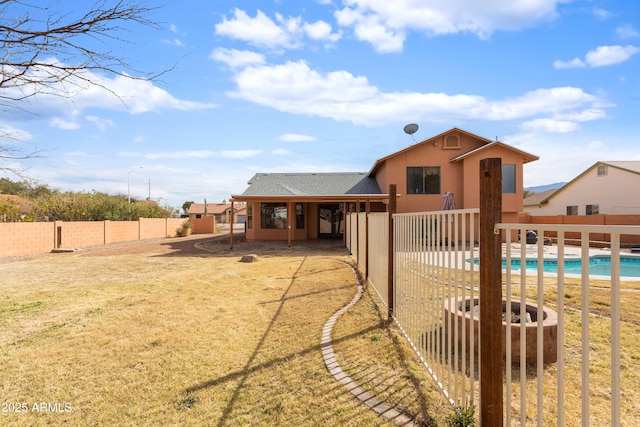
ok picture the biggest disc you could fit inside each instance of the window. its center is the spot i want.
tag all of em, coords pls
(572, 210)
(273, 215)
(423, 180)
(593, 209)
(602, 170)
(299, 216)
(508, 179)
(452, 141)
(249, 215)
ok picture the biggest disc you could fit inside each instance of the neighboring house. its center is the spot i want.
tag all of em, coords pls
(221, 211)
(535, 200)
(605, 188)
(312, 205)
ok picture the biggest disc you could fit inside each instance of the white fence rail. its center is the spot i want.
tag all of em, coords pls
(379, 254)
(431, 250)
(594, 372)
(582, 370)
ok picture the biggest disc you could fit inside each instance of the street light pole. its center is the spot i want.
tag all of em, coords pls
(129, 182)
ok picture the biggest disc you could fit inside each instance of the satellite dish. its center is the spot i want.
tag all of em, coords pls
(411, 128)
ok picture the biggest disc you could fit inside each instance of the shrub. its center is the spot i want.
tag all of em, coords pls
(462, 417)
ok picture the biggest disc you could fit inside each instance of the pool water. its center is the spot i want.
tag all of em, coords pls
(599, 265)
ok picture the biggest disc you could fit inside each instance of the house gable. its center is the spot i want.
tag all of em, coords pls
(457, 154)
(602, 188)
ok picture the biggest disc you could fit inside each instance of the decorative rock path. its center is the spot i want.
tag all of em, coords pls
(334, 368)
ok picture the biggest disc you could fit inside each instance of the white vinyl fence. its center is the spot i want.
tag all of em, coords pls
(573, 362)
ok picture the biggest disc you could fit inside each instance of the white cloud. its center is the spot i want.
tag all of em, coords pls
(385, 24)
(278, 33)
(90, 90)
(294, 137)
(602, 13)
(280, 152)
(173, 42)
(550, 126)
(59, 123)
(10, 133)
(100, 123)
(574, 63)
(600, 57)
(609, 55)
(296, 88)
(259, 31)
(237, 58)
(320, 30)
(132, 95)
(627, 32)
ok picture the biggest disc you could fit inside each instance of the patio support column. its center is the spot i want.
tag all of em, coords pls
(367, 210)
(345, 207)
(490, 298)
(391, 209)
(357, 212)
(290, 214)
(230, 227)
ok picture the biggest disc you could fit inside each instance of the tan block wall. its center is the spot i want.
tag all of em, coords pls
(80, 234)
(121, 231)
(204, 225)
(32, 238)
(26, 238)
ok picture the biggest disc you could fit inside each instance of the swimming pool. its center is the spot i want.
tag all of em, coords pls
(599, 265)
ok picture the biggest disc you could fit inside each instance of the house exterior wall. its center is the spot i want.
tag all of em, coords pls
(512, 204)
(428, 153)
(460, 177)
(615, 194)
(310, 230)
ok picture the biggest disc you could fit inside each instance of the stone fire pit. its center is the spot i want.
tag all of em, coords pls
(461, 309)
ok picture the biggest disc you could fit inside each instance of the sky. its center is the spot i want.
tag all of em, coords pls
(328, 86)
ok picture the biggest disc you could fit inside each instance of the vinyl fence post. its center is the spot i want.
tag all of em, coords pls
(491, 399)
(391, 208)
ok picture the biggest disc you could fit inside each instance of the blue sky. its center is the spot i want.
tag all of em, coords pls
(328, 85)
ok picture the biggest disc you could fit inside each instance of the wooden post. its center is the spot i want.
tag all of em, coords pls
(230, 227)
(367, 210)
(290, 215)
(345, 211)
(491, 399)
(357, 211)
(391, 209)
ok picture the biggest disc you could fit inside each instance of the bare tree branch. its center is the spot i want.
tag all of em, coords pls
(44, 50)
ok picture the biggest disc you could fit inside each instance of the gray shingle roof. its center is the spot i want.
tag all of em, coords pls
(311, 184)
(630, 165)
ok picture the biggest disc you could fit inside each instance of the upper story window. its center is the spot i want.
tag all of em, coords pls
(452, 141)
(602, 170)
(508, 179)
(593, 209)
(572, 210)
(423, 180)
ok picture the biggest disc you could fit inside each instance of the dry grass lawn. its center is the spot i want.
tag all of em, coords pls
(165, 333)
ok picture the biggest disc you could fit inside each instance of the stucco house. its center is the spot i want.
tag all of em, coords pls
(312, 205)
(221, 211)
(605, 188)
